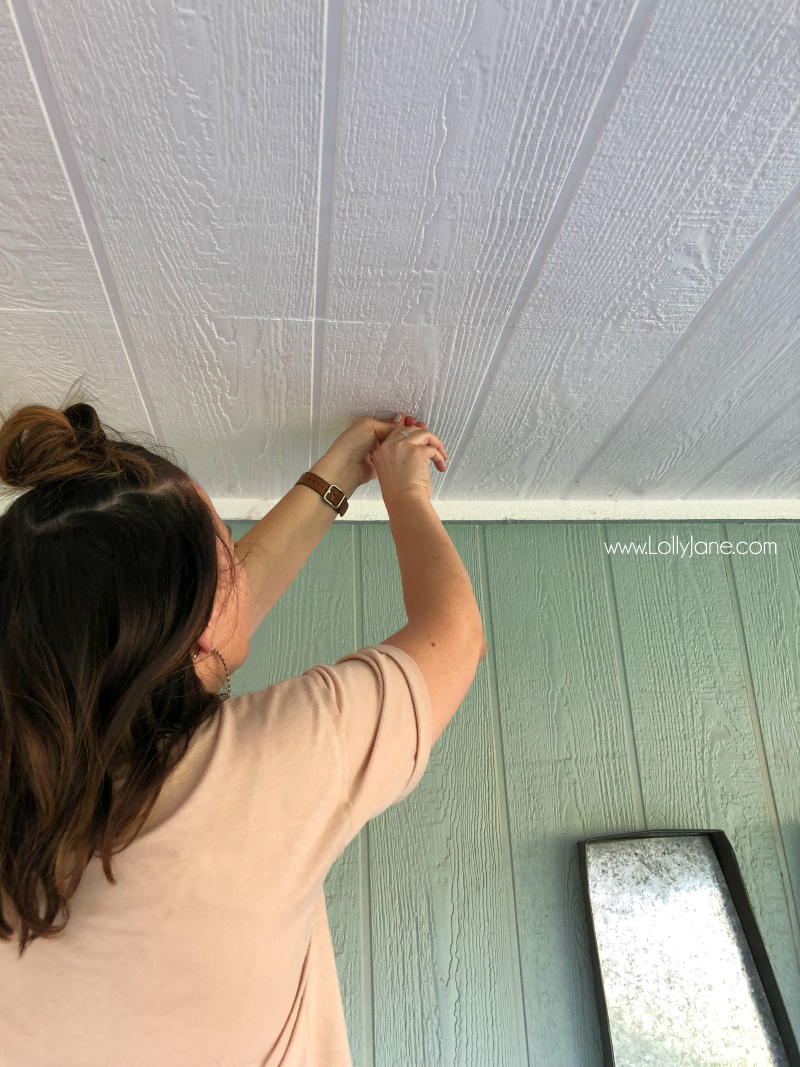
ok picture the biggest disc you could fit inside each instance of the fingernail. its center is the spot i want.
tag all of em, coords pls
(398, 416)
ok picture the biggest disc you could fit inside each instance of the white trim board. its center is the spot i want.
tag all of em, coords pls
(548, 510)
(248, 509)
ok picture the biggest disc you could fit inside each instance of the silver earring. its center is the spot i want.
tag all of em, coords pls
(225, 668)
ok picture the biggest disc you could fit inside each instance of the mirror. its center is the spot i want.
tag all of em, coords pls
(681, 971)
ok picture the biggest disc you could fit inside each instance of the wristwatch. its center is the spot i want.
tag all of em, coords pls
(330, 493)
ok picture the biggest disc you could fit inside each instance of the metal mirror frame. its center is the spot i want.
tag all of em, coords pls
(732, 874)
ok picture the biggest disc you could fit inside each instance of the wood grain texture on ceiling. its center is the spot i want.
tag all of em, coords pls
(564, 234)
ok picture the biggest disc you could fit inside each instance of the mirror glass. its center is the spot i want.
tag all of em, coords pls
(680, 984)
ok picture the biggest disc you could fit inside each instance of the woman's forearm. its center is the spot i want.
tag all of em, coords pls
(274, 550)
(436, 586)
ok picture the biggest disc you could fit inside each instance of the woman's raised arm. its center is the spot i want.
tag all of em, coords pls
(274, 550)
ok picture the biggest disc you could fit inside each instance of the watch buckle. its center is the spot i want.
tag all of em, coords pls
(334, 503)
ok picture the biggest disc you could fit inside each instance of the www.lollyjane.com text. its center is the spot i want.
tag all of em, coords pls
(675, 547)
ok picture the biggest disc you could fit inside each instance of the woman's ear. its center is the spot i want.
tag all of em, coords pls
(205, 642)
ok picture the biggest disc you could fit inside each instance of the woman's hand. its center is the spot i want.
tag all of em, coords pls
(402, 460)
(350, 456)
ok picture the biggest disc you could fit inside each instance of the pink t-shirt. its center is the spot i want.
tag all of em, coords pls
(213, 948)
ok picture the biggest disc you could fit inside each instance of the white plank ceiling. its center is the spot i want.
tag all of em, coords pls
(566, 233)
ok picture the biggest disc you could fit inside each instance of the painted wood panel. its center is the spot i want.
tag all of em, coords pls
(507, 216)
(442, 942)
(46, 354)
(569, 774)
(197, 131)
(768, 462)
(238, 409)
(733, 373)
(475, 165)
(55, 324)
(458, 124)
(767, 591)
(697, 752)
(45, 262)
(701, 147)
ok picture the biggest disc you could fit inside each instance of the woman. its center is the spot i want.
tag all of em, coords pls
(163, 849)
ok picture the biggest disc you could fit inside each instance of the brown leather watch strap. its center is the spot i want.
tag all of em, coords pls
(331, 494)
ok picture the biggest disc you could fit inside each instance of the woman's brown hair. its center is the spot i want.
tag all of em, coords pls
(108, 573)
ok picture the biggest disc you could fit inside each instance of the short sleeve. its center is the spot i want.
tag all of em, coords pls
(382, 712)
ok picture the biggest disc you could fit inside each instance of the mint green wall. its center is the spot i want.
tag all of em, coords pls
(617, 694)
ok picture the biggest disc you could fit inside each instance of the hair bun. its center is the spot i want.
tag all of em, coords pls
(84, 421)
(40, 444)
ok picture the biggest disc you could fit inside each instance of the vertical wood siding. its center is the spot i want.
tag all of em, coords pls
(617, 693)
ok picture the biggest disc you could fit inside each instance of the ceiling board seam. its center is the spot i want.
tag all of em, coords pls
(156, 316)
(765, 425)
(331, 68)
(638, 25)
(56, 126)
(775, 221)
(36, 311)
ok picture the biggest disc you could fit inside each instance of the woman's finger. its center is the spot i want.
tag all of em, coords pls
(407, 428)
(405, 422)
(435, 456)
(431, 444)
(383, 427)
(430, 438)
